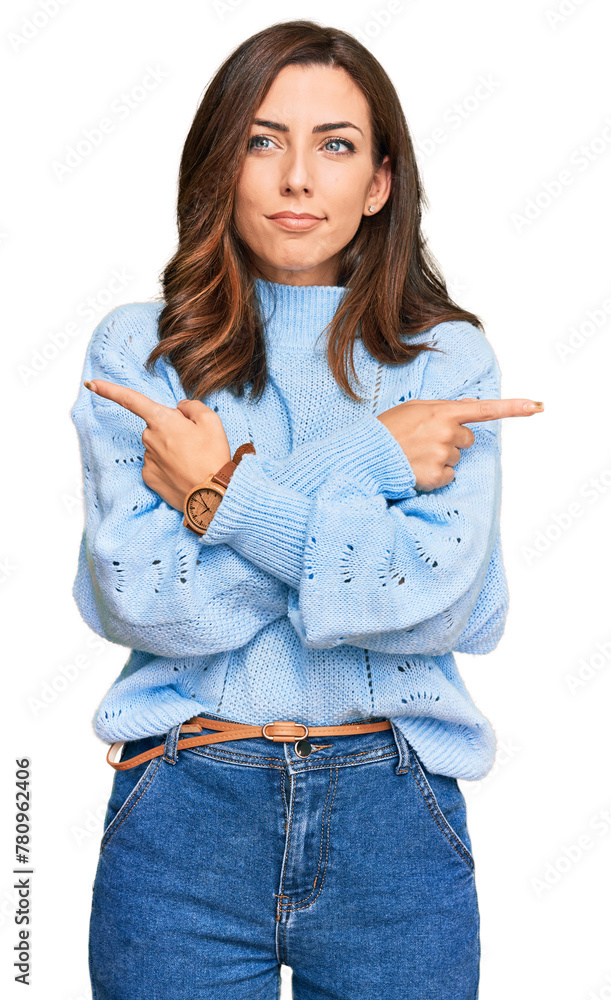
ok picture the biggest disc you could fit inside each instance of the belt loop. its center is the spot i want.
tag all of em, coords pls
(403, 748)
(170, 752)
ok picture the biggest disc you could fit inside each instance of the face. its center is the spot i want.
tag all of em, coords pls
(293, 165)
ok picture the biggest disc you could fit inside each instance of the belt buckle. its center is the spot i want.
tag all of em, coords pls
(302, 746)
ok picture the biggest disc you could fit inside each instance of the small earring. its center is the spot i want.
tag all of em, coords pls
(372, 208)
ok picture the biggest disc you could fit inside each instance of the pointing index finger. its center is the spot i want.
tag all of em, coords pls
(130, 399)
(473, 410)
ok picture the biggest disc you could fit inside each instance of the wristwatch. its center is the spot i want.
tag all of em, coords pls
(203, 500)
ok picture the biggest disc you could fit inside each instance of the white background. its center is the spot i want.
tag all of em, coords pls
(527, 253)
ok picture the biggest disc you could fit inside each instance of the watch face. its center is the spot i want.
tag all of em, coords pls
(202, 505)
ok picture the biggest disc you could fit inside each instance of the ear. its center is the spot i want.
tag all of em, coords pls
(379, 189)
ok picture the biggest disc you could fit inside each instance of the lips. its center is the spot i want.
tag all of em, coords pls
(294, 215)
(294, 222)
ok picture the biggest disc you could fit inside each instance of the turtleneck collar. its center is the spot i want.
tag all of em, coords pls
(297, 314)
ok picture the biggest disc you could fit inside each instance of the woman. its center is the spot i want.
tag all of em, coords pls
(298, 623)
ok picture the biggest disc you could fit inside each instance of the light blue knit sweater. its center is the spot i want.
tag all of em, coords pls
(327, 589)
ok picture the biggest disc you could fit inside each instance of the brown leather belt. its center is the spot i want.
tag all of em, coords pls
(239, 731)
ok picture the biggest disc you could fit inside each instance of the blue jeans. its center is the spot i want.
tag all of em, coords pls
(219, 863)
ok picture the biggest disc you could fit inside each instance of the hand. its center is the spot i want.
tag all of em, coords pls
(182, 446)
(430, 432)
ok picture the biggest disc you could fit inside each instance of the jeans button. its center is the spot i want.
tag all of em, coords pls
(303, 748)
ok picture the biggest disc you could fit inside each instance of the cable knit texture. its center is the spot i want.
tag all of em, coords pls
(328, 589)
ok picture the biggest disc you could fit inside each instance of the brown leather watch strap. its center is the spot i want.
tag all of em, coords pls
(226, 471)
(244, 449)
(224, 474)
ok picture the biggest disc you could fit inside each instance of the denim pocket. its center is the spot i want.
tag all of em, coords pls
(129, 789)
(446, 805)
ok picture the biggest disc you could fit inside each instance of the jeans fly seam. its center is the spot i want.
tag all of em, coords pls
(283, 797)
(292, 906)
(322, 835)
(290, 829)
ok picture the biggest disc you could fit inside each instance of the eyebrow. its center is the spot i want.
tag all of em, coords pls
(325, 127)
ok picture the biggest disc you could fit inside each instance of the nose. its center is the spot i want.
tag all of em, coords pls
(297, 172)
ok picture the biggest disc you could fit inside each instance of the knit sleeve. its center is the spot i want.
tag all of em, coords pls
(363, 449)
(143, 579)
(407, 577)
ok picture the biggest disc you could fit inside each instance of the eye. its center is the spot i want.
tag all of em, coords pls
(253, 139)
(346, 142)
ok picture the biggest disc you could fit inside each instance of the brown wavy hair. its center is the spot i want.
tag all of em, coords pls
(210, 328)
